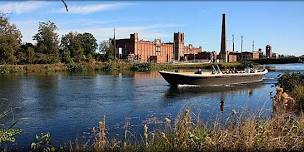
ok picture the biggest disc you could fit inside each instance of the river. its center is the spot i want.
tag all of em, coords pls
(68, 106)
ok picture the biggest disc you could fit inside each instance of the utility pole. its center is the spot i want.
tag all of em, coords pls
(232, 42)
(114, 45)
(194, 56)
(242, 43)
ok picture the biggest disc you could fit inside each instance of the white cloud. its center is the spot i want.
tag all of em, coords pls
(148, 32)
(20, 7)
(92, 8)
(28, 28)
(101, 30)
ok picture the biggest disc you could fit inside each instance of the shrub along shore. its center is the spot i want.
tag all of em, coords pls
(106, 66)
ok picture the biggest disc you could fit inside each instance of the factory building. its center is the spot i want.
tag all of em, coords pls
(155, 51)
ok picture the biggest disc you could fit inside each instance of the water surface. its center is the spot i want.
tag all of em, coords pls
(69, 105)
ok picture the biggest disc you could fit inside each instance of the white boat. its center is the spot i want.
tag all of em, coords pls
(214, 77)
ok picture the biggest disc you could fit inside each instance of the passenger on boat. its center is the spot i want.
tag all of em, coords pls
(199, 71)
(235, 71)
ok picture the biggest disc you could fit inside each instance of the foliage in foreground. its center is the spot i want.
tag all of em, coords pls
(4, 70)
(8, 135)
(283, 133)
(7, 132)
(141, 67)
(289, 81)
(294, 85)
(42, 143)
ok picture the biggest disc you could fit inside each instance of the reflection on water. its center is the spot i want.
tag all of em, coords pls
(221, 91)
(181, 90)
(68, 105)
(222, 103)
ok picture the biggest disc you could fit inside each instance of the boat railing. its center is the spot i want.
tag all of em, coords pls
(216, 70)
(253, 69)
(259, 68)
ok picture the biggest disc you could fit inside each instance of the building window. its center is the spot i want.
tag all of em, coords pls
(157, 50)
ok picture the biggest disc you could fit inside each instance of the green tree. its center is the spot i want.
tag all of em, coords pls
(71, 47)
(26, 54)
(47, 41)
(10, 41)
(88, 43)
(105, 50)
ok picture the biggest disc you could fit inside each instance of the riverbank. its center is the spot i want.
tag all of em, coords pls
(105, 66)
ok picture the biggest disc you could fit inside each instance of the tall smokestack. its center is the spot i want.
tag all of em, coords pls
(242, 43)
(232, 42)
(223, 37)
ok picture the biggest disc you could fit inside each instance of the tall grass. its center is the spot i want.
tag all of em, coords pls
(293, 84)
(188, 133)
(298, 94)
(75, 68)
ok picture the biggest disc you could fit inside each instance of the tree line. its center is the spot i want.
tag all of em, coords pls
(49, 48)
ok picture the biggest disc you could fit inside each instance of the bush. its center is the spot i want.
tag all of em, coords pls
(4, 70)
(43, 143)
(289, 81)
(8, 135)
(75, 68)
(298, 94)
(41, 59)
(107, 68)
(141, 67)
(51, 59)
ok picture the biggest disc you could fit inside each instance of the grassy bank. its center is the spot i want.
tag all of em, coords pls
(53, 68)
(106, 66)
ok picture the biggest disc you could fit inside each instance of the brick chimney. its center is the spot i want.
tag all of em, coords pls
(223, 53)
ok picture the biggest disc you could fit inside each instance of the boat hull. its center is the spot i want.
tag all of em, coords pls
(180, 79)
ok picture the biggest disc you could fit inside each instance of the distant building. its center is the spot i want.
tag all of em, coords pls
(238, 55)
(207, 56)
(154, 51)
(275, 55)
(250, 55)
(232, 57)
(261, 55)
(268, 51)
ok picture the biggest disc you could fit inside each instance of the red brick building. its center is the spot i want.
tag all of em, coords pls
(238, 56)
(268, 51)
(153, 51)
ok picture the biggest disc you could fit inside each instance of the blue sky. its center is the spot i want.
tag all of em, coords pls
(280, 24)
